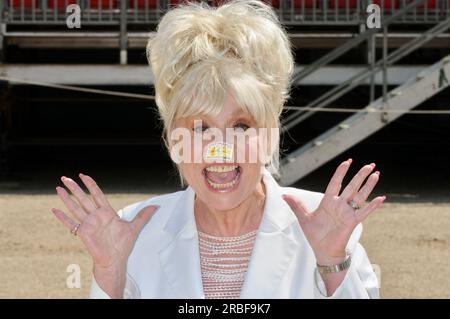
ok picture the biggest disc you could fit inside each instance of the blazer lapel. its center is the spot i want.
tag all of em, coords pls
(180, 259)
(274, 248)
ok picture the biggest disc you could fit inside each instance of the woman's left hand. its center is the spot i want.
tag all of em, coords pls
(329, 227)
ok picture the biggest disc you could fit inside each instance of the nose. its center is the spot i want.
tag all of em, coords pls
(219, 151)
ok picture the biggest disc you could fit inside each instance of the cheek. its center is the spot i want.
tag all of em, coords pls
(251, 178)
(181, 146)
(264, 148)
(253, 149)
(190, 172)
(200, 150)
(192, 150)
(247, 152)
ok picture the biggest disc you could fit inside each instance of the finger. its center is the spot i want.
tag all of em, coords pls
(95, 191)
(143, 217)
(297, 207)
(334, 186)
(79, 194)
(368, 187)
(356, 182)
(72, 205)
(366, 211)
(64, 219)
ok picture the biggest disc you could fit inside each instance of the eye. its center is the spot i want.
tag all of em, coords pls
(241, 127)
(199, 129)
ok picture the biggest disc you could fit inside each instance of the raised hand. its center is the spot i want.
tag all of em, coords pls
(329, 227)
(108, 238)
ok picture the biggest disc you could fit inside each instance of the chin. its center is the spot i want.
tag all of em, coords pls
(221, 202)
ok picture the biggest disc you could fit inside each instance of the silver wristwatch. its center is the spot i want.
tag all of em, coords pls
(335, 268)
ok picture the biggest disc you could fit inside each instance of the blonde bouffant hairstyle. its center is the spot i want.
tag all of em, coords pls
(199, 53)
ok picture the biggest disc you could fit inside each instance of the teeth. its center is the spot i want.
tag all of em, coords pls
(221, 169)
(225, 185)
(221, 186)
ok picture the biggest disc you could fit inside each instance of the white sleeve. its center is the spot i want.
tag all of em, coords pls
(360, 281)
(131, 290)
(97, 292)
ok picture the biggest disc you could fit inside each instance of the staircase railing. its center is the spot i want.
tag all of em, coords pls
(365, 122)
(359, 78)
(368, 35)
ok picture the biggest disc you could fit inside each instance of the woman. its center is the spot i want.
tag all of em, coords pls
(233, 232)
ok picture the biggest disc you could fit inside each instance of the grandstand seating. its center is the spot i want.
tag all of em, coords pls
(307, 3)
(342, 3)
(318, 8)
(26, 3)
(60, 4)
(388, 4)
(141, 4)
(105, 4)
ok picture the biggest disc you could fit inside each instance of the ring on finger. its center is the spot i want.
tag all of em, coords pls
(354, 204)
(75, 229)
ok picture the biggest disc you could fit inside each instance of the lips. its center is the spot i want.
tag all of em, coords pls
(220, 178)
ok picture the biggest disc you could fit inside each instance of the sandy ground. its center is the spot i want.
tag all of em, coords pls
(410, 243)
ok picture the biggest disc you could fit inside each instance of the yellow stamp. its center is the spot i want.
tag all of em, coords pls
(219, 151)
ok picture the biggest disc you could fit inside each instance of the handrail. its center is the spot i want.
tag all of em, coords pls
(353, 42)
(339, 51)
(356, 79)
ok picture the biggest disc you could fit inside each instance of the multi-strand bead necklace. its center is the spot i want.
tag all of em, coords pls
(224, 263)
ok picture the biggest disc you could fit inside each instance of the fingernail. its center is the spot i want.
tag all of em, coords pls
(378, 173)
(373, 165)
(80, 174)
(350, 160)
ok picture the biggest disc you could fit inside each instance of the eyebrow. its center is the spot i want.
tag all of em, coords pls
(238, 112)
(236, 115)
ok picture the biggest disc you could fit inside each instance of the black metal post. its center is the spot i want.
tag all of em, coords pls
(2, 8)
(123, 33)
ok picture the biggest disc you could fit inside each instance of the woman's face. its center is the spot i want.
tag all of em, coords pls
(222, 184)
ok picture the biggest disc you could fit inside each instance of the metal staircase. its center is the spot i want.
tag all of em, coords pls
(373, 117)
(361, 125)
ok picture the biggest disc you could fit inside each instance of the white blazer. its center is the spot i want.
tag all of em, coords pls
(165, 261)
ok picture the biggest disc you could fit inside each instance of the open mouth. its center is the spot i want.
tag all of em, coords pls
(222, 177)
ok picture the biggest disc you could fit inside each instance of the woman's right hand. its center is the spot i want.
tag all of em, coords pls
(108, 238)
